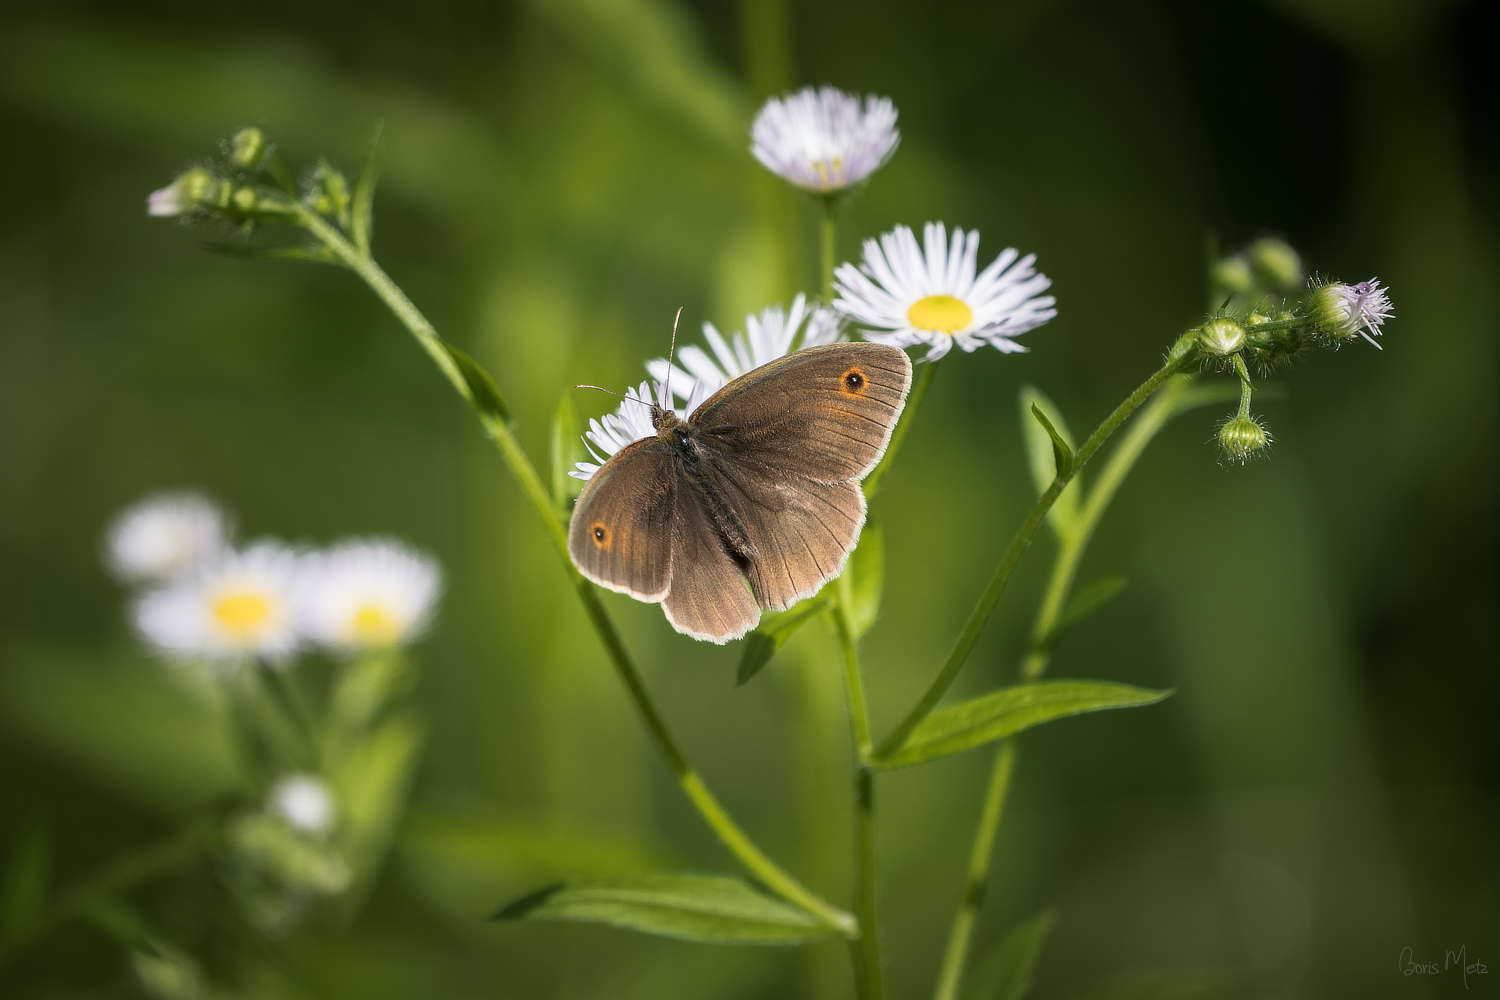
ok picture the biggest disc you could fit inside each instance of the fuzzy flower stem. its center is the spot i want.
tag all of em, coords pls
(829, 245)
(1245, 388)
(1180, 357)
(925, 372)
(1177, 397)
(1273, 325)
(771, 875)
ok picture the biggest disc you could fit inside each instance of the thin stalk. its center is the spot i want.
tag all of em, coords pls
(869, 977)
(920, 385)
(709, 808)
(829, 245)
(969, 635)
(854, 686)
(1179, 396)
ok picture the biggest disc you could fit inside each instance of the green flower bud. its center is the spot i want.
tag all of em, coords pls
(1241, 438)
(191, 190)
(247, 147)
(1221, 337)
(1233, 274)
(1276, 264)
(245, 199)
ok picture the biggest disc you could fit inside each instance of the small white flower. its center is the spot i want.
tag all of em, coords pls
(305, 802)
(182, 195)
(766, 338)
(935, 297)
(1342, 311)
(821, 141)
(366, 594)
(164, 536)
(241, 604)
(631, 421)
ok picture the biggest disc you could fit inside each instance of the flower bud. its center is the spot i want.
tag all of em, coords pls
(1340, 312)
(188, 192)
(1233, 274)
(1241, 438)
(247, 147)
(1276, 264)
(1221, 337)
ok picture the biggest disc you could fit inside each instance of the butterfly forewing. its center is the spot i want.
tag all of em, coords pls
(621, 533)
(823, 413)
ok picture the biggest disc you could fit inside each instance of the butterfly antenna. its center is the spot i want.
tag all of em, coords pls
(672, 353)
(613, 393)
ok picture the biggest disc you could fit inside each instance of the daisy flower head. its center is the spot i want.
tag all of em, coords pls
(766, 337)
(631, 421)
(368, 594)
(304, 802)
(164, 536)
(908, 294)
(1342, 311)
(239, 605)
(822, 141)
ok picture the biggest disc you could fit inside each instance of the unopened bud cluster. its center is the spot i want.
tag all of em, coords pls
(1266, 316)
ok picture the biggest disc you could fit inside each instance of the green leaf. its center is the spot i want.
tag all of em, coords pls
(1043, 428)
(565, 451)
(310, 255)
(1006, 972)
(773, 632)
(362, 216)
(23, 897)
(1009, 711)
(371, 778)
(865, 578)
(708, 908)
(482, 391)
(1084, 603)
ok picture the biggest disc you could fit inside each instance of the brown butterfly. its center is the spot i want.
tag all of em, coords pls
(751, 502)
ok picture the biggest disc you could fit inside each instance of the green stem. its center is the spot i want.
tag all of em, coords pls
(955, 956)
(1178, 359)
(923, 381)
(859, 717)
(869, 976)
(830, 242)
(1178, 396)
(1246, 390)
(709, 808)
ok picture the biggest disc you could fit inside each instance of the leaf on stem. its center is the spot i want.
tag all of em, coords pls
(1006, 972)
(1084, 603)
(362, 215)
(705, 908)
(309, 255)
(773, 632)
(1045, 431)
(1006, 712)
(483, 393)
(566, 449)
(23, 897)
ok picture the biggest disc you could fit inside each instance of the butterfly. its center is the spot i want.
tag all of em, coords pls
(753, 502)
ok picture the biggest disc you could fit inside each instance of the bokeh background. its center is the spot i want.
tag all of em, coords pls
(560, 176)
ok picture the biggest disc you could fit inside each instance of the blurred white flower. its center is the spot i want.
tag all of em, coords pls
(238, 605)
(1344, 311)
(911, 297)
(631, 421)
(183, 195)
(364, 594)
(766, 338)
(305, 802)
(164, 536)
(821, 141)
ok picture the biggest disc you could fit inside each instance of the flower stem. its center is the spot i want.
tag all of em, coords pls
(924, 374)
(1178, 396)
(869, 977)
(709, 808)
(830, 243)
(969, 635)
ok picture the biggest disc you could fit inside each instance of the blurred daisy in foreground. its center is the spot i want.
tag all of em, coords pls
(304, 802)
(908, 296)
(164, 536)
(821, 141)
(766, 338)
(368, 594)
(631, 421)
(1342, 311)
(238, 605)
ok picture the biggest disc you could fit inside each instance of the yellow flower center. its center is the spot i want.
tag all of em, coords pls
(374, 625)
(942, 313)
(830, 172)
(242, 613)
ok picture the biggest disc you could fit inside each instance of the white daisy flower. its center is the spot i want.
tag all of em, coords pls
(305, 802)
(365, 594)
(821, 141)
(1342, 311)
(766, 338)
(631, 421)
(241, 604)
(164, 536)
(911, 297)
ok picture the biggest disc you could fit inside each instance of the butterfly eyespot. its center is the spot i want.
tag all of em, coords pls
(853, 382)
(600, 533)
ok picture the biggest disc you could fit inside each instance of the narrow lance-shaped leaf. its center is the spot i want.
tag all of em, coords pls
(1084, 603)
(362, 213)
(773, 632)
(1041, 455)
(23, 896)
(482, 391)
(306, 255)
(1009, 711)
(566, 449)
(1007, 970)
(705, 908)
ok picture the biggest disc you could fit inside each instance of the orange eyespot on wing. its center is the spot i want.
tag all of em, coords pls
(621, 533)
(853, 382)
(600, 535)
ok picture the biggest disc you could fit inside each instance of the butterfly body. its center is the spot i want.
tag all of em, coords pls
(751, 502)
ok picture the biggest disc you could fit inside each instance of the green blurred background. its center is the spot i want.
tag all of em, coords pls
(560, 176)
